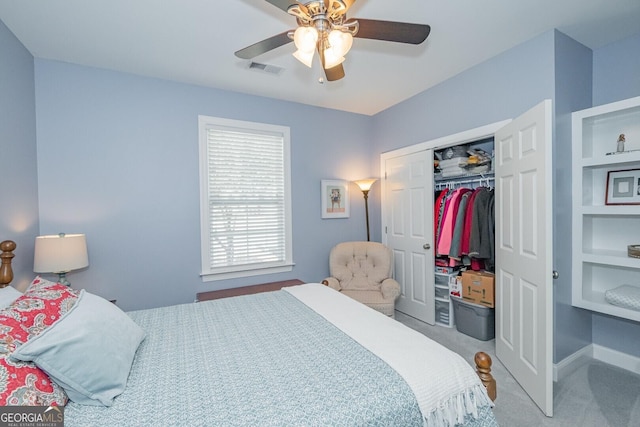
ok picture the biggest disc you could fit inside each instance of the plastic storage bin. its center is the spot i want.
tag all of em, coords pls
(444, 307)
(442, 293)
(444, 314)
(474, 320)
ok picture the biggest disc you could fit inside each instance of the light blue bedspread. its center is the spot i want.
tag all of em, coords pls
(257, 360)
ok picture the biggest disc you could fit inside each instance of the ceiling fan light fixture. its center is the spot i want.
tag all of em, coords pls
(331, 58)
(306, 57)
(340, 42)
(305, 38)
(323, 26)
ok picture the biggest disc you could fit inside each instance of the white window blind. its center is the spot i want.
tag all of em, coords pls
(245, 186)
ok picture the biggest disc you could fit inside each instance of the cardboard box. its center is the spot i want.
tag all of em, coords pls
(478, 287)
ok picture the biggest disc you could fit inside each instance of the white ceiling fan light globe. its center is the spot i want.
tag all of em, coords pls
(305, 38)
(332, 58)
(340, 41)
(306, 57)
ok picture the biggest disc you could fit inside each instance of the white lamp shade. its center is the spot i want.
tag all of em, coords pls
(331, 58)
(340, 42)
(305, 57)
(365, 184)
(305, 38)
(60, 253)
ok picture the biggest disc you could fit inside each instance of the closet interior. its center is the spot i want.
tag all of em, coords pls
(464, 237)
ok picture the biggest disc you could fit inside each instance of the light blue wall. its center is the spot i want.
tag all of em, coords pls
(616, 71)
(18, 182)
(616, 76)
(573, 75)
(118, 160)
(500, 88)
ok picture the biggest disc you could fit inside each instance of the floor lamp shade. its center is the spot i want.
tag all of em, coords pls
(365, 186)
(60, 253)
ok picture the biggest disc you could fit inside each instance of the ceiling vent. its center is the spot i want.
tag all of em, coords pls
(265, 68)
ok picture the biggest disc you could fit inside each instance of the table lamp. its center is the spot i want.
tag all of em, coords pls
(60, 254)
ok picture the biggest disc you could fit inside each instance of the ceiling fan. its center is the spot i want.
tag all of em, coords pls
(323, 27)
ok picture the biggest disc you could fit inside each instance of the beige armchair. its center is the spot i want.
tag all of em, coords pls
(362, 271)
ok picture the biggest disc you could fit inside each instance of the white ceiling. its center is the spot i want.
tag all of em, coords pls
(194, 41)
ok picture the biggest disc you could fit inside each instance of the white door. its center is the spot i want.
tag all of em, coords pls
(408, 222)
(523, 210)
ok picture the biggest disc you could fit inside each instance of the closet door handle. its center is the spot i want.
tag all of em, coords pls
(426, 246)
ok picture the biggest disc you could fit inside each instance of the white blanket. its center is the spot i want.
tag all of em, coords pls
(445, 385)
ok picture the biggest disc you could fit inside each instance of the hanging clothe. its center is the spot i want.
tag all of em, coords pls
(448, 224)
(481, 243)
(438, 212)
(468, 222)
(455, 251)
(464, 226)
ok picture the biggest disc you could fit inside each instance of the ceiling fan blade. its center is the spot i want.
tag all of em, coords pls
(335, 73)
(263, 46)
(400, 32)
(338, 6)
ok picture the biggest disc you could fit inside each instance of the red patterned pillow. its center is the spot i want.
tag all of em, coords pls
(38, 308)
(39, 283)
(23, 383)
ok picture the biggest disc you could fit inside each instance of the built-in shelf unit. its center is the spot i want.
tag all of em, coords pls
(601, 231)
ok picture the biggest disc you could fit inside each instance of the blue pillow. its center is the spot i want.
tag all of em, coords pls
(88, 352)
(8, 294)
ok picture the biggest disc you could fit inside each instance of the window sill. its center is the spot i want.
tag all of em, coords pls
(211, 277)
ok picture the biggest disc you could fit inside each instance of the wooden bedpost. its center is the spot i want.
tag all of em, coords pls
(6, 272)
(483, 367)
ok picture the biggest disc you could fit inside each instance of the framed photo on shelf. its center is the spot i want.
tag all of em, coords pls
(623, 187)
(335, 198)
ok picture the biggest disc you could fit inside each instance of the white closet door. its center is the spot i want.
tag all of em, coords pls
(409, 231)
(524, 244)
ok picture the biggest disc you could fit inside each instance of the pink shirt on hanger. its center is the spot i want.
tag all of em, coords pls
(451, 210)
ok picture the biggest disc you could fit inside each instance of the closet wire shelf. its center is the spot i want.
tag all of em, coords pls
(473, 180)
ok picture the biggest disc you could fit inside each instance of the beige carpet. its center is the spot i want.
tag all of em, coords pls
(593, 395)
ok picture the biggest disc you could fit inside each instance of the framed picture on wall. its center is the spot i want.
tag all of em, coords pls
(623, 187)
(335, 198)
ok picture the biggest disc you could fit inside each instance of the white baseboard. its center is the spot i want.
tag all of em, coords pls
(597, 352)
(616, 358)
(572, 362)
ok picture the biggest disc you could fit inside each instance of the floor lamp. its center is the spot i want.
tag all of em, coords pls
(365, 186)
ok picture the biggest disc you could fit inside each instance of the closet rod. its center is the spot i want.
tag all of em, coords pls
(460, 181)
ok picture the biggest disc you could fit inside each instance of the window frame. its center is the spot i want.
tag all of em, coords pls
(246, 270)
